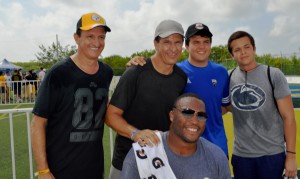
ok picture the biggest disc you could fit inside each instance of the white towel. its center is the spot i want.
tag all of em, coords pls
(284, 177)
(153, 161)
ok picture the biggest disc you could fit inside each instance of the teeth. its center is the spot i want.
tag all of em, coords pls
(192, 129)
(201, 52)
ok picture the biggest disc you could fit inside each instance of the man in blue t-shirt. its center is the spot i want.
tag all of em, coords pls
(208, 80)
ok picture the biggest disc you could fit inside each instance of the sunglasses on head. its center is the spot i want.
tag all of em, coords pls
(189, 113)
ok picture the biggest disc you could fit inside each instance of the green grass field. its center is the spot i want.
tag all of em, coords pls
(21, 146)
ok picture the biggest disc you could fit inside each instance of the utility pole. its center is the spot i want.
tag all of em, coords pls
(57, 47)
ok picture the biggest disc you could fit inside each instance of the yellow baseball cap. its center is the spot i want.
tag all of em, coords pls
(91, 20)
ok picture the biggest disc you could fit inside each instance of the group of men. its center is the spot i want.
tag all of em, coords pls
(160, 108)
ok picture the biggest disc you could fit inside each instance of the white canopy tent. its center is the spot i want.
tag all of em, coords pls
(6, 65)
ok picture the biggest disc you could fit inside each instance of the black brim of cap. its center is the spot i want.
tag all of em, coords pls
(202, 32)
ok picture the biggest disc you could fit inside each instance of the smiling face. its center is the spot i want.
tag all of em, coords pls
(199, 49)
(187, 129)
(169, 48)
(91, 42)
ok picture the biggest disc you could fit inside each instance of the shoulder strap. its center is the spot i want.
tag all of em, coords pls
(272, 86)
(230, 74)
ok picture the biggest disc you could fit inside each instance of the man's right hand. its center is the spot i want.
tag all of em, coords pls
(137, 60)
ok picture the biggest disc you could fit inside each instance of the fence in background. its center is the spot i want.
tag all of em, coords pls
(25, 91)
(13, 92)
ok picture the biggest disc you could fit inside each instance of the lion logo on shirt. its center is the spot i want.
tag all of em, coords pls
(247, 97)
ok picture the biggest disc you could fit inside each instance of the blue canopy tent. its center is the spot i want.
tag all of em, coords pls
(5, 65)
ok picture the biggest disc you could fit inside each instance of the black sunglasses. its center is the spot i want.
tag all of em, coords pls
(189, 113)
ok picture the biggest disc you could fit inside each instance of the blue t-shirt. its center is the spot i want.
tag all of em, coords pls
(211, 84)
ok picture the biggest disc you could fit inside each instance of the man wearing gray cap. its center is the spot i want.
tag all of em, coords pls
(145, 94)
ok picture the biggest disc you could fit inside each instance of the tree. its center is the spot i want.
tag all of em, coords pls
(145, 53)
(219, 53)
(117, 63)
(54, 53)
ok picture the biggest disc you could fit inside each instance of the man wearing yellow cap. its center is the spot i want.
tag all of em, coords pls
(67, 125)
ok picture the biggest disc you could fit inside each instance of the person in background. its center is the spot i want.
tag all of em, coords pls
(2, 88)
(144, 95)
(17, 85)
(30, 87)
(68, 121)
(263, 118)
(183, 153)
(41, 74)
(22, 74)
(35, 81)
(8, 86)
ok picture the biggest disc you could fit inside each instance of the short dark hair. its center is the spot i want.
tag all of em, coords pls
(237, 35)
(193, 95)
(157, 38)
(187, 41)
(78, 32)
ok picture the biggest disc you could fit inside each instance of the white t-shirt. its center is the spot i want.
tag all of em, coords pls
(8, 80)
(41, 75)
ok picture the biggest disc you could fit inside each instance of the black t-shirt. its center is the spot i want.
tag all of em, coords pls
(146, 97)
(16, 77)
(74, 104)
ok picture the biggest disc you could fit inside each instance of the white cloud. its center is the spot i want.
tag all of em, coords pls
(30, 23)
(284, 6)
(286, 25)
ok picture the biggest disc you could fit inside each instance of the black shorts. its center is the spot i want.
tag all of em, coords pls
(2, 89)
(17, 89)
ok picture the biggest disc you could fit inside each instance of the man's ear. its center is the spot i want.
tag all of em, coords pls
(155, 44)
(171, 114)
(76, 37)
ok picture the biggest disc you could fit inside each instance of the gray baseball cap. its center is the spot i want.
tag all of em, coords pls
(168, 27)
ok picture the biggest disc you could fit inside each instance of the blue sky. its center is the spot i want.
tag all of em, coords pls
(26, 24)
